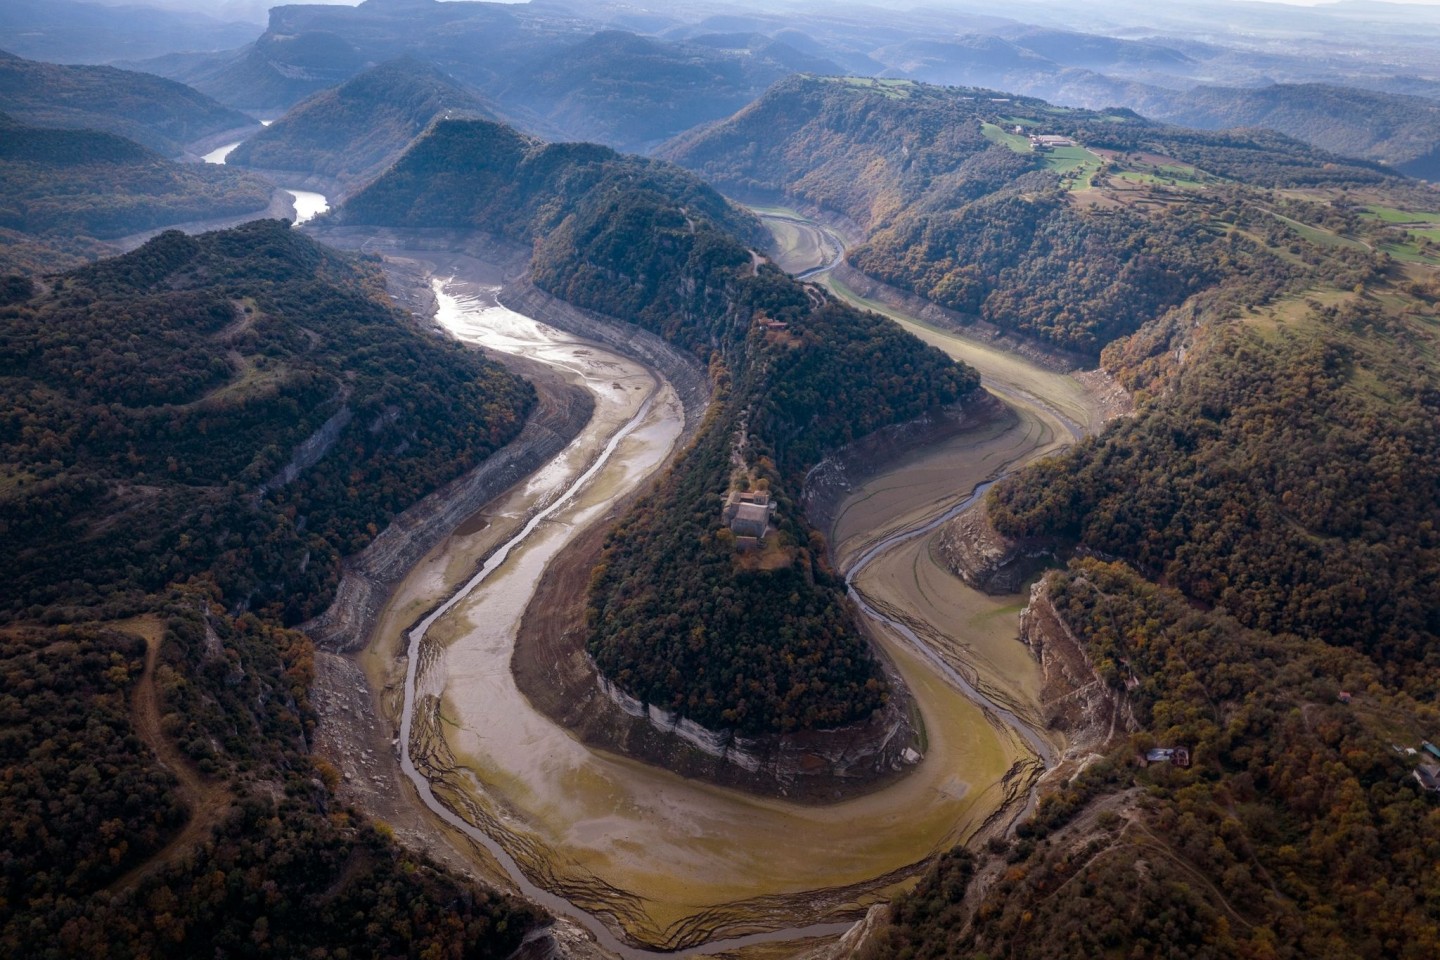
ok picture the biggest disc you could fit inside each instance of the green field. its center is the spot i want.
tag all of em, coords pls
(894, 89)
(1396, 215)
(998, 134)
(1151, 179)
(1076, 164)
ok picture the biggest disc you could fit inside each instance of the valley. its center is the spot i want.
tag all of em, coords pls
(621, 839)
(601, 481)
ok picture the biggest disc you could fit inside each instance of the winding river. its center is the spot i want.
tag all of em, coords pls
(308, 204)
(647, 860)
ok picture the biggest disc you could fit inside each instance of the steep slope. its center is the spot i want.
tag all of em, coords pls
(194, 434)
(157, 113)
(1020, 236)
(648, 243)
(1254, 581)
(352, 132)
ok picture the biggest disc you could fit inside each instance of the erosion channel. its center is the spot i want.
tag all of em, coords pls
(648, 860)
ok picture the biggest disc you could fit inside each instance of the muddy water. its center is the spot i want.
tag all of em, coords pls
(308, 204)
(670, 862)
(884, 533)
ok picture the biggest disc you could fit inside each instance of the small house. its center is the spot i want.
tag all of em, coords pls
(1428, 776)
(1430, 748)
(1175, 756)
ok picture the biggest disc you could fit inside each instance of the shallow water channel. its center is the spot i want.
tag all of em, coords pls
(308, 204)
(668, 861)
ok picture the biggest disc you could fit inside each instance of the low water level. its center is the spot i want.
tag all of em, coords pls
(308, 204)
(672, 861)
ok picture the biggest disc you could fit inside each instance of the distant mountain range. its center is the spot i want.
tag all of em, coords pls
(70, 31)
(157, 113)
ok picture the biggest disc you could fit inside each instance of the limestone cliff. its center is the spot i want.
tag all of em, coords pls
(985, 558)
(1073, 697)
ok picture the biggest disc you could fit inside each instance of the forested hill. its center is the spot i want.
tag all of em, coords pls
(64, 187)
(356, 130)
(164, 518)
(160, 114)
(1071, 245)
(153, 399)
(1271, 604)
(762, 641)
(1255, 580)
(1399, 130)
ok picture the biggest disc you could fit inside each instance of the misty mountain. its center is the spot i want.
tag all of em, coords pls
(352, 132)
(160, 114)
(633, 92)
(1398, 130)
(71, 31)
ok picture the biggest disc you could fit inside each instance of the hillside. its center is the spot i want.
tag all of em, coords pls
(1252, 576)
(160, 464)
(356, 130)
(964, 210)
(166, 519)
(61, 186)
(633, 92)
(1398, 130)
(648, 243)
(159, 114)
(553, 70)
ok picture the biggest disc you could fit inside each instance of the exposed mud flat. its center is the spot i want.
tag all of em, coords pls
(673, 861)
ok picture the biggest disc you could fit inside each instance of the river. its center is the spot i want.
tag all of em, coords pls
(308, 204)
(646, 859)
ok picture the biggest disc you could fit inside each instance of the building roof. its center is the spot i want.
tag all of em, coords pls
(753, 512)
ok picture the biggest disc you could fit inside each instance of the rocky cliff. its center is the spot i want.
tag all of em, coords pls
(1073, 698)
(985, 558)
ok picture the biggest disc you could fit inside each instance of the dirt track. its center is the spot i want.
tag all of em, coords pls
(207, 800)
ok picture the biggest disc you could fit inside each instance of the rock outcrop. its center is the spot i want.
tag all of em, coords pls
(1073, 697)
(985, 558)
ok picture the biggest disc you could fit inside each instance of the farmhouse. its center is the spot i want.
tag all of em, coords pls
(1046, 142)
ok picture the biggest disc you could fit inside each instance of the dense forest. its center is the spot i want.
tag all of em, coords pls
(194, 434)
(159, 114)
(1291, 480)
(1297, 832)
(678, 616)
(356, 130)
(58, 185)
(960, 208)
(1255, 580)
(155, 403)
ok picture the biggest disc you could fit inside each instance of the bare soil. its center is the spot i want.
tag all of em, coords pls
(208, 800)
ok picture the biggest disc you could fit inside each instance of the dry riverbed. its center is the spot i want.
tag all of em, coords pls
(672, 862)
